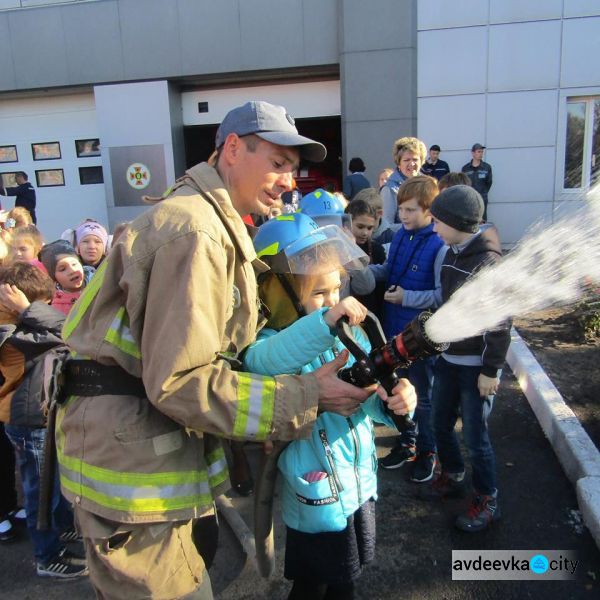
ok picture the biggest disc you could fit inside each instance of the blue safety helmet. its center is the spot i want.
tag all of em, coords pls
(294, 245)
(325, 208)
(291, 243)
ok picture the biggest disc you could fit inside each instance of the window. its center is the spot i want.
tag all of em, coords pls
(582, 148)
(50, 178)
(9, 179)
(8, 154)
(46, 151)
(89, 147)
(90, 175)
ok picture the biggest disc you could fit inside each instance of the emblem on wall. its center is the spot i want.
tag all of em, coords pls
(138, 176)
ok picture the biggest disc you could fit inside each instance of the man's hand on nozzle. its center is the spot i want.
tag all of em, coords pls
(403, 399)
(336, 395)
(348, 307)
(488, 386)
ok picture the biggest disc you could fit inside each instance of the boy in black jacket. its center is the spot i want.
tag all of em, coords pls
(29, 328)
(467, 374)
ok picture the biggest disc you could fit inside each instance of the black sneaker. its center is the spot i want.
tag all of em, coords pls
(423, 467)
(69, 535)
(448, 487)
(73, 557)
(62, 567)
(399, 455)
(482, 512)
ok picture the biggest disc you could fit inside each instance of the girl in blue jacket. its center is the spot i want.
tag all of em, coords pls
(330, 482)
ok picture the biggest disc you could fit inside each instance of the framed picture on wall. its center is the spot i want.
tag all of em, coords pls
(90, 147)
(50, 177)
(90, 175)
(8, 179)
(8, 154)
(46, 151)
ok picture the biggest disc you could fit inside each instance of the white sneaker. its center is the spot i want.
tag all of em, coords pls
(19, 515)
(6, 531)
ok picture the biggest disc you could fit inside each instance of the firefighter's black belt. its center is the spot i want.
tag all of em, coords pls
(90, 378)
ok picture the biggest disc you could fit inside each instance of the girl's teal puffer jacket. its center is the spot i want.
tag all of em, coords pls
(342, 447)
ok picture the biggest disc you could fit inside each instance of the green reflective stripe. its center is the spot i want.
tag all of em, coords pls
(127, 478)
(271, 250)
(119, 334)
(139, 505)
(216, 455)
(256, 398)
(118, 489)
(218, 473)
(217, 467)
(268, 404)
(81, 306)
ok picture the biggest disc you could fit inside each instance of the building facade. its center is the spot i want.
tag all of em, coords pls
(103, 101)
(522, 78)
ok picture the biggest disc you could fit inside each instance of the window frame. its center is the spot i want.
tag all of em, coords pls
(589, 101)
(44, 185)
(33, 150)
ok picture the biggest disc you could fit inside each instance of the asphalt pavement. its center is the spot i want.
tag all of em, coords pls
(415, 536)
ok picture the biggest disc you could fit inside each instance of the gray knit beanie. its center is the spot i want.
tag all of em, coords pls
(460, 207)
(50, 252)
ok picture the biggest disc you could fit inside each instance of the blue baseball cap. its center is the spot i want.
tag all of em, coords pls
(271, 123)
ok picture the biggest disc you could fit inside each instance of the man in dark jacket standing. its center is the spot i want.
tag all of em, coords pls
(480, 174)
(24, 193)
(435, 167)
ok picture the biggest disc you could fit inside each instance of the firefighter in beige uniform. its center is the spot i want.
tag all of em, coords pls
(152, 387)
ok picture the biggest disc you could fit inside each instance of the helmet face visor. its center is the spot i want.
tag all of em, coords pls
(323, 250)
(343, 220)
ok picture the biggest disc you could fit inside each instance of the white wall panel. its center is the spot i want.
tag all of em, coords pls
(513, 180)
(463, 51)
(581, 49)
(517, 119)
(452, 122)
(514, 219)
(434, 14)
(62, 119)
(581, 8)
(524, 56)
(503, 11)
(318, 99)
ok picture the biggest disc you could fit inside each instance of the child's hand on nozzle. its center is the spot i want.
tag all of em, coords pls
(403, 399)
(394, 294)
(348, 307)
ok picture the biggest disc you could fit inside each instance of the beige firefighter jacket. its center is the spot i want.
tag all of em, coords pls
(174, 303)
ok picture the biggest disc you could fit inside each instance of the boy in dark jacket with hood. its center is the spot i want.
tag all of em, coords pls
(467, 374)
(29, 328)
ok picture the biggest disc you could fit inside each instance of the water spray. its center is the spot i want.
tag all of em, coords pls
(547, 267)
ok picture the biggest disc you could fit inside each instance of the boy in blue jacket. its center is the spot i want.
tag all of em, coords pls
(409, 273)
(330, 482)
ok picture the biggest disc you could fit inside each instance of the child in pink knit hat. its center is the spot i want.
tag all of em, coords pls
(91, 243)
